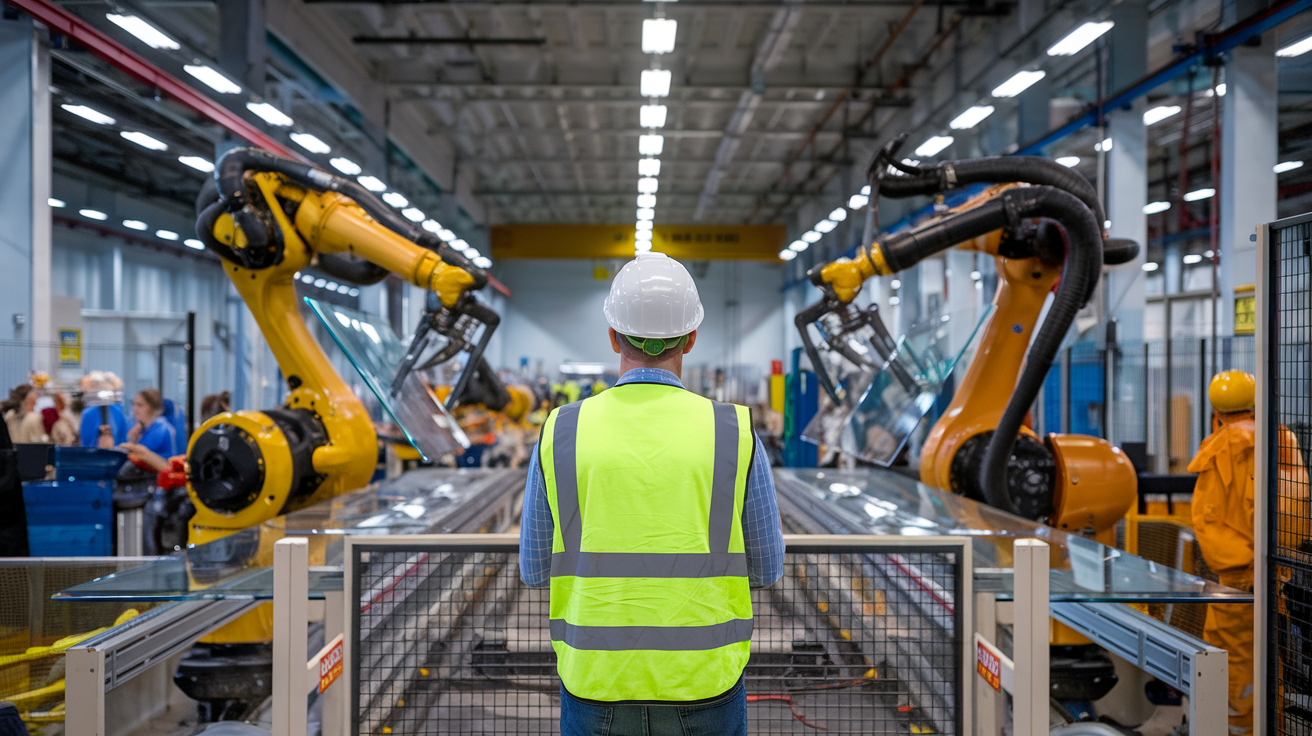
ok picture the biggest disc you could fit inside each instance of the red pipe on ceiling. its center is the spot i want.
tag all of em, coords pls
(65, 23)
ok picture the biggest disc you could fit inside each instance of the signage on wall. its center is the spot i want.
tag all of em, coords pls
(70, 347)
(1245, 310)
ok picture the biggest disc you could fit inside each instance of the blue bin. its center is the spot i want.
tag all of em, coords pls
(70, 518)
(87, 463)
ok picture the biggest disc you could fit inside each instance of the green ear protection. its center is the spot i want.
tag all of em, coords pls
(654, 345)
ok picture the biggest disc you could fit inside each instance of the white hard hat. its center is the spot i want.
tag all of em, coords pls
(653, 296)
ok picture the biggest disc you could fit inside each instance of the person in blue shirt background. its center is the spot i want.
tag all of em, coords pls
(101, 412)
(152, 430)
(178, 418)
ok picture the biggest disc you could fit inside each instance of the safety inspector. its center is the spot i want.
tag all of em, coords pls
(650, 511)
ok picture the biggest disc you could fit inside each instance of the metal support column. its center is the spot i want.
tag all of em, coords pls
(1030, 638)
(1127, 166)
(291, 581)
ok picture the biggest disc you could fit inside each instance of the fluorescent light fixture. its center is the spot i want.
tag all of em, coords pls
(56, 202)
(396, 199)
(651, 145)
(641, 248)
(648, 185)
(1019, 82)
(1220, 89)
(87, 113)
(471, 251)
(1284, 166)
(1153, 208)
(413, 214)
(166, 235)
(1208, 254)
(787, 255)
(895, 284)
(459, 244)
(642, 245)
(893, 301)
(212, 79)
(353, 292)
(197, 163)
(642, 234)
(658, 35)
(346, 166)
(145, 32)
(307, 279)
(194, 243)
(1160, 113)
(838, 215)
(976, 275)
(798, 246)
(1069, 161)
(311, 143)
(145, 141)
(643, 224)
(1197, 194)
(93, 214)
(431, 226)
(646, 200)
(483, 262)
(1192, 258)
(866, 190)
(269, 114)
(971, 117)
(649, 167)
(446, 234)
(372, 183)
(645, 213)
(651, 116)
(934, 145)
(1297, 48)
(810, 236)
(825, 226)
(654, 82)
(1149, 266)
(857, 201)
(320, 283)
(1075, 41)
(135, 225)
(1105, 145)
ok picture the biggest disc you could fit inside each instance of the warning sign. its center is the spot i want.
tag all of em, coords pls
(988, 666)
(330, 666)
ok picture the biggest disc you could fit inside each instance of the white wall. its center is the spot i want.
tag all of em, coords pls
(555, 314)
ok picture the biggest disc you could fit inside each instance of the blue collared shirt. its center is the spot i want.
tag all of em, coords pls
(762, 534)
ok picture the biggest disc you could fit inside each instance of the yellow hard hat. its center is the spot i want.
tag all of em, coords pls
(1232, 391)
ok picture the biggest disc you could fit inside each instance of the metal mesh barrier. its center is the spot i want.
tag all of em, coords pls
(1289, 517)
(852, 640)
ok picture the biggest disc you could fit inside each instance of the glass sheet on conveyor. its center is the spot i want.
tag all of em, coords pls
(240, 566)
(376, 353)
(882, 408)
(880, 501)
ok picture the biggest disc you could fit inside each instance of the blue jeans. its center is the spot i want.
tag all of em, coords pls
(724, 716)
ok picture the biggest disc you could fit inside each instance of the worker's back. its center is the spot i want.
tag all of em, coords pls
(1223, 499)
(649, 587)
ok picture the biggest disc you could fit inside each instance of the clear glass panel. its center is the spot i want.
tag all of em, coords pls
(883, 407)
(419, 502)
(376, 353)
(877, 501)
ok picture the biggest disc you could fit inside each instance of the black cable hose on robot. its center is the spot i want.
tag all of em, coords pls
(1035, 170)
(229, 177)
(1083, 268)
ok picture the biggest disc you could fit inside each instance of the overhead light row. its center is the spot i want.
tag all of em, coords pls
(138, 225)
(658, 37)
(325, 284)
(141, 139)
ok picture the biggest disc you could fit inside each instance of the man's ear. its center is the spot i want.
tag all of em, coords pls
(614, 339)
(692, 340)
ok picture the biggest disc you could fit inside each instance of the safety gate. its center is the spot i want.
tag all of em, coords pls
(862, 635)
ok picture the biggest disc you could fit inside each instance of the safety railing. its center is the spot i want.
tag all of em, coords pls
(863, 634)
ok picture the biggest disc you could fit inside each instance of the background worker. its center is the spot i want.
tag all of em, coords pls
(1223, 523)
(650, 511)
(152, 430)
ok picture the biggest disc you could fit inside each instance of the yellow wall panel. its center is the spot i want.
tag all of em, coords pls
(685, 242)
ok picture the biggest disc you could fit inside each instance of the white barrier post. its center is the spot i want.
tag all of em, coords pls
(291, 592)
(1030, 638)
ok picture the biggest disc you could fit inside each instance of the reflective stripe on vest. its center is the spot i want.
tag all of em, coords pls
(645, 587)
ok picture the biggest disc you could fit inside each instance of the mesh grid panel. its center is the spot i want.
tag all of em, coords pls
(1289, 517)
(850, 642)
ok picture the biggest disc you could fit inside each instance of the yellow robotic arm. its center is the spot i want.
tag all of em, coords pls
(1041, 235)
(267, 219)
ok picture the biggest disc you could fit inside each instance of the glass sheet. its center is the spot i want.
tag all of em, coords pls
(878, 501)
(376, 353)
(238, 566)
(881, 409)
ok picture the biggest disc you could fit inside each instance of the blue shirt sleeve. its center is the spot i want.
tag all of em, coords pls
(158, 437)
(763, 533)
(535, 528)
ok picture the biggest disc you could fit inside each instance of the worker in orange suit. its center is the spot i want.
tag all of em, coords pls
(1223, 523)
